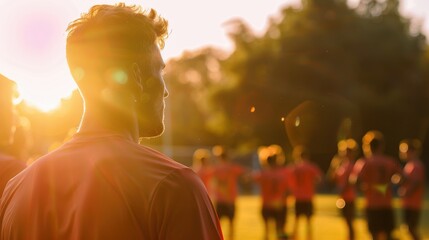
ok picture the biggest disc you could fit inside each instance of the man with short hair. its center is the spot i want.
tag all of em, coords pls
(413, 185)
(373, 174)
(274, 180)
(339, 172)
(102, 184)
(306, 176)
(225, 190)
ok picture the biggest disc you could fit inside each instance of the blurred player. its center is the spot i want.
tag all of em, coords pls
(413, 184)
(274, 181)
(340, 170)
(9, 165)
(225, 178)
(374, 175)
(306, 176)
(202, 166)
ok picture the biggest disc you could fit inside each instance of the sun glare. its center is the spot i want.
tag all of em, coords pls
(32, 42)
(33, 35)
(33, 50)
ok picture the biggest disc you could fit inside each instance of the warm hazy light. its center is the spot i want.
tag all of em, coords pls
(297, 121)
(32, 42)
(403, 147)
(340, 203)
(252, 109)
(32, 47)
(33, 35)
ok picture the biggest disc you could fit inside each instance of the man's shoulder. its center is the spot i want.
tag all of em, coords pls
(108, 149)
(116, 157)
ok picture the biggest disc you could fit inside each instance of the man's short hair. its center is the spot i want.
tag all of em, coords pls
(112, 35)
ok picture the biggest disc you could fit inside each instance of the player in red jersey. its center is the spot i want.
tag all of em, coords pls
(340, 170)
(274, 181)
(9, 165)
(225, 178)
(203, 167)
(412, 185)
(306, 176)
(102, 184)
(374, 175)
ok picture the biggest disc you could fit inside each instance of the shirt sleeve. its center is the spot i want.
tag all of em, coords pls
(181, 209)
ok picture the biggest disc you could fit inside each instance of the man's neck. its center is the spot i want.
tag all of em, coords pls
(102, 120)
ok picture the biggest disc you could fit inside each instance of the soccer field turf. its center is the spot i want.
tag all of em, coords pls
(327, 223)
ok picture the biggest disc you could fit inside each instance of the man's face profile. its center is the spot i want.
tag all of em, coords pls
(150, 100)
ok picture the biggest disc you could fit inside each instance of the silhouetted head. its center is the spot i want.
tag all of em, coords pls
(201, 158)
(7, 91)
(348, 148)
(300, 153)
(220, 152)
(373, 142)
(271, 156)
(409, 149)
(113, 52)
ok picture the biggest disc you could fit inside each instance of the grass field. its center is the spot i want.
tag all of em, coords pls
(327, 223)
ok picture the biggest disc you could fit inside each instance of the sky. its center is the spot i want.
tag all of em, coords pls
(32, 35)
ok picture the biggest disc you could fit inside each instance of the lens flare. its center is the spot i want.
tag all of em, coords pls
(120, 76)
(340, 203)
(297, 121)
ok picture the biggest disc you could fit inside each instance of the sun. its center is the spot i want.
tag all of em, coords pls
(32, 46)
(33, 50)
(44, 100)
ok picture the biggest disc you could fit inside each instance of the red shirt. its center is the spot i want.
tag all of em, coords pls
(414, 179)
(225, 176)
(9, 167)
(342, 174)
(306, 175)
(374, 175)
(105, 186)
(206, 175)
(274, 183)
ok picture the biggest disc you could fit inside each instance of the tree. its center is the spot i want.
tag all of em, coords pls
(358, 64)
(189, 79)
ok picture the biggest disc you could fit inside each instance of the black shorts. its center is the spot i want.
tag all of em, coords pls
(303, 208)
(380, 220)
(278, 214)
(225, 209)
(411, 217)
(349, 210)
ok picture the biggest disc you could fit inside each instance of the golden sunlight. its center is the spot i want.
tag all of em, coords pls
(33, 50)
(33, 38)
(33, 35)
